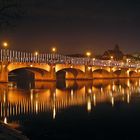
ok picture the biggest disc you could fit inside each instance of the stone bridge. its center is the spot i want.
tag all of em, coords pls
(55, 66)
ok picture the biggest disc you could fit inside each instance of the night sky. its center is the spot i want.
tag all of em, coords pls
(75, 26)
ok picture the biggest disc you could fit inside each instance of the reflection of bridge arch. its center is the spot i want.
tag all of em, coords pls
(70, 73)
(101, 83)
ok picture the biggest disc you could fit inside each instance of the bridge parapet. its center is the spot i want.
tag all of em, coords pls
(52, 58)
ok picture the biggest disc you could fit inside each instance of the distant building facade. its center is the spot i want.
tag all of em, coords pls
(115, 54)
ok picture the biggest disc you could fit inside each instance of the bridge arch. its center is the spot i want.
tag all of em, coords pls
(101, 73)
(122, 72)
(14, 66)
(117, 72)
(70, 73)
(29, 73)
(59, 67)
(133, 73)
(103, 68)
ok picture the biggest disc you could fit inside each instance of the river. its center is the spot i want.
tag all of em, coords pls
(95, 109)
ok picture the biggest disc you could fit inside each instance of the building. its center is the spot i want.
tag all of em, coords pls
(114, 54)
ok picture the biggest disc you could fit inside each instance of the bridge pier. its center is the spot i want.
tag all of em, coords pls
(3, 73)
(44, 76)
(88, 72)
(52, 73)
(112, 74)
(124, 73)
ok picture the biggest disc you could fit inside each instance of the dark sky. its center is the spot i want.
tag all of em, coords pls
(75, 26)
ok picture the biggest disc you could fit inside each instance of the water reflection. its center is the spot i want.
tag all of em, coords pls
(51, 97)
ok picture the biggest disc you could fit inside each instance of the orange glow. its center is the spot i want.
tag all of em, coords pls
(36, 53)
(111, 57)
(5, 120)
(112, 101)
(54, 49)
(128, 98)
(88, 54)
(5, 44)
(54, 112)
(53, 99)
(89, 105)
(89, 68)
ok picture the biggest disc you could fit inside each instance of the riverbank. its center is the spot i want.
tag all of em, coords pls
(8, 133)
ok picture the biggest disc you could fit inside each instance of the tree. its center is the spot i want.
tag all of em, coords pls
(10, 12)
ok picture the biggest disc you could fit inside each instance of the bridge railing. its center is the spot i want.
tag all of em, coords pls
(52, 58)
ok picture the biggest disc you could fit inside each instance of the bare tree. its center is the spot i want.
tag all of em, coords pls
(10, 12)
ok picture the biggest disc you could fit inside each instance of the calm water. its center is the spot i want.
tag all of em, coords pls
(98, 109)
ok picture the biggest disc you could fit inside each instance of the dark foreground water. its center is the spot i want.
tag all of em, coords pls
(98, 109)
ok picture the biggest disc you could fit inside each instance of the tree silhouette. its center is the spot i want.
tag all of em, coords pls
(10, 12)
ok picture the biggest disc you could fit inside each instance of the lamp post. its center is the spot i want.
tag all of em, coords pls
(111, 57)
(54, 49)
(4, 62)
(36, 53)
(88, 54)
(88, 69)
(5, 46)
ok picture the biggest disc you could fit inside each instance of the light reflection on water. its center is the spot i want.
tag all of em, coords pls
(55, 97)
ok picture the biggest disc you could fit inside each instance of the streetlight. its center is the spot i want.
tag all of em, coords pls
(5, 45)
(54, 49)
(88, 54)
(36, 54)
(111, 57)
